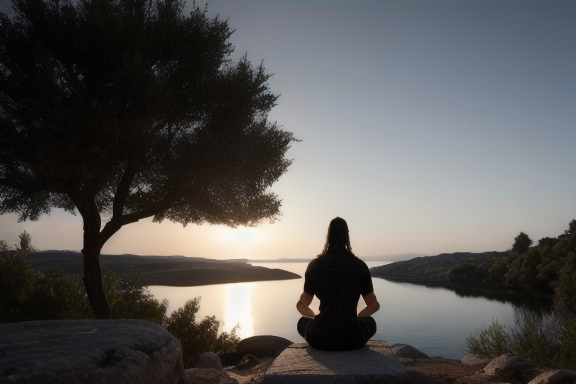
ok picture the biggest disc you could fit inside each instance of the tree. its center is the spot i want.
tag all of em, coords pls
(521, 244)
(133, 110)
(25, 244)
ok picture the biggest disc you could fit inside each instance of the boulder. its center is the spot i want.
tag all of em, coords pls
(557, 376)
(207, 376)
(302, 364)
(509, 366)
(263, 346)
(407, 352)
(209, 360)
(89, 351)
(473, 359)
(247, 362)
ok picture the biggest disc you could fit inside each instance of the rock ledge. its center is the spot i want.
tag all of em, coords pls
(299, 363)
(89, 351)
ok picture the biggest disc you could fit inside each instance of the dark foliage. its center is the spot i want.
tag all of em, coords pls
(132, 109)
(29, 295)
(548, 268)
(55, 295)
(199, 337)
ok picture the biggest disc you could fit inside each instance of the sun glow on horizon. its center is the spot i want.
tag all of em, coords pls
(240, 235)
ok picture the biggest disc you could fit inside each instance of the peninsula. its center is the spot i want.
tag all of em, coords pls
(176, 271)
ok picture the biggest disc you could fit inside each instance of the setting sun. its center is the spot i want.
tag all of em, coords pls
(242, 235)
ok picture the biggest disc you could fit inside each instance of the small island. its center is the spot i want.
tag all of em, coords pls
(176, 271)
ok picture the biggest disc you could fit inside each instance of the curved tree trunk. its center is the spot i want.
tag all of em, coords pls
(93, 242)
(94, 284)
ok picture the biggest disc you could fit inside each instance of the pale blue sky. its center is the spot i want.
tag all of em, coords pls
(430, 126)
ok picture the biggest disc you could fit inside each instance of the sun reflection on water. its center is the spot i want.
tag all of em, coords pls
(239, 309)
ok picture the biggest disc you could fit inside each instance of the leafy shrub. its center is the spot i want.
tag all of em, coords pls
(538, 337)
(18, 282)
(544, 339)
(59, 296)
(129, 299)
(492, 341)
(199, 337)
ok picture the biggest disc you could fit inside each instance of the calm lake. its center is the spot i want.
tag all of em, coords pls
(434, 320)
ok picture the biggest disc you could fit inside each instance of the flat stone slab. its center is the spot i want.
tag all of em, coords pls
(302, 364)
(89, 351)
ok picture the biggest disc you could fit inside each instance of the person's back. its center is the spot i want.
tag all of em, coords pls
(338, 279)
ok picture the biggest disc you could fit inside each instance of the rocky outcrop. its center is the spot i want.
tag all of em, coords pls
(299, 363)
(209, 360)
(207, 376)
(208, 371)
(137, 351)
(247, 362)
(473, 369)
(474, 359)
(557, 376)
(509, 366)
(407, 352)
(263, 346)
(89, 351)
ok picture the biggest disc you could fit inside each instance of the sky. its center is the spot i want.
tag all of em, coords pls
(429, 126)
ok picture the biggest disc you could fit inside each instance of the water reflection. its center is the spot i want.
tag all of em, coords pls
(239, 308)
(436, 321)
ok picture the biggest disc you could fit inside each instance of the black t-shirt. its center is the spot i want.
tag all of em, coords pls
(338, 280)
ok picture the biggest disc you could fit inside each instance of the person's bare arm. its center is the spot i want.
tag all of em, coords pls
(303, 305)
(372, 305)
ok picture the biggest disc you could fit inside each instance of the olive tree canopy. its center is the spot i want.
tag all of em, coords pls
(132, 109)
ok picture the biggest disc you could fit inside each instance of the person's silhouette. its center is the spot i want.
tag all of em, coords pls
(338, 278)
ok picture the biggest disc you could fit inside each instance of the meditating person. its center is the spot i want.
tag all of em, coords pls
(338, 278)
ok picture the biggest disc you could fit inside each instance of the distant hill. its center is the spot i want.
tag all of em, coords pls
(388, 258)
(281, 260)
(396, 257)
(428, 270)
(178, 271)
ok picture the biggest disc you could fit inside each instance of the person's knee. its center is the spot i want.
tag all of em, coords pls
(303, 325)
(370, 324)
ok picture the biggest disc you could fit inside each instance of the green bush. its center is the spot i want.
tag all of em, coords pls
(538, 338)
(129, 299)
(197, 338)
(18, 283)
(59, 296)
(546, 340)
(492, 341)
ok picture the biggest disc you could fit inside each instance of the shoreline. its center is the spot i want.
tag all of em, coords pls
(174, 271)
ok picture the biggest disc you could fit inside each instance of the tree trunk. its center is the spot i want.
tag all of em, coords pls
(94, 284)
(94, 240)
(93, 243)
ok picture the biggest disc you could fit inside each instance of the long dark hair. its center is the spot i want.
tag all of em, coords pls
(338, 238)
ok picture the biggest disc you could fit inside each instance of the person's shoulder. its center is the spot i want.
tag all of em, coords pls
(312, 263)
(359, 262)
